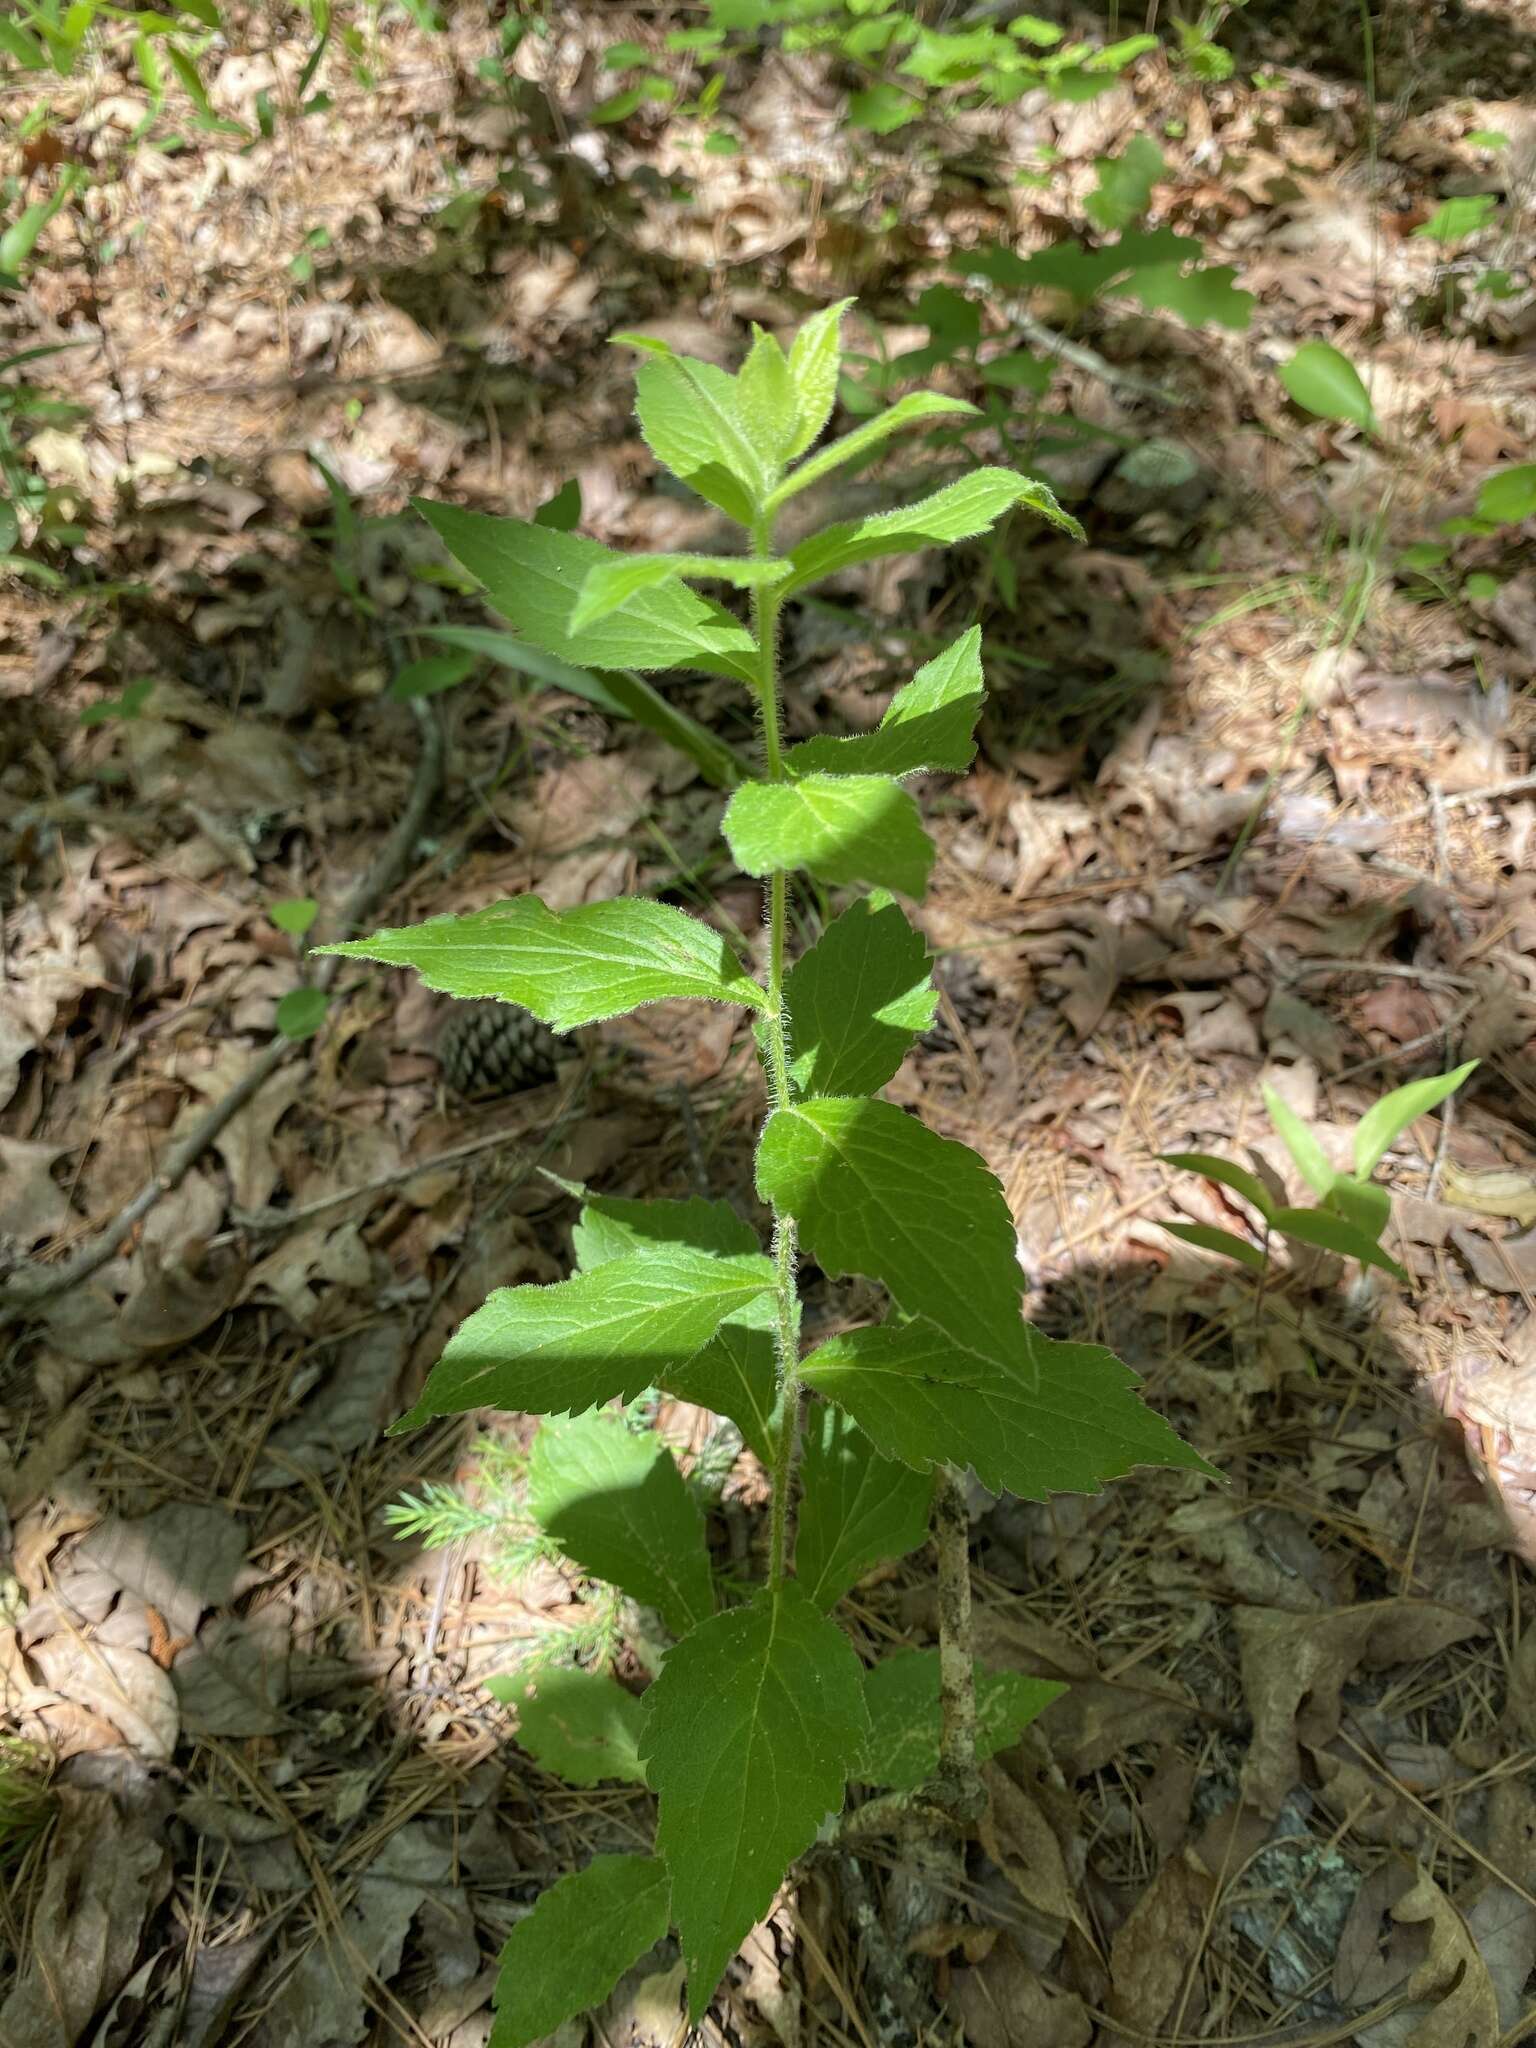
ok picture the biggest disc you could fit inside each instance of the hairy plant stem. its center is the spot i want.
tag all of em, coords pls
(957, 1784)
(765, 619)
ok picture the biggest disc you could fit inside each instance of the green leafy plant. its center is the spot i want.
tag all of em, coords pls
(762, 1714)
(1351, 1210)
(1323, 381)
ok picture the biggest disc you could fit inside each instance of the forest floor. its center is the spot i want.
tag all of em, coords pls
(1255, 802)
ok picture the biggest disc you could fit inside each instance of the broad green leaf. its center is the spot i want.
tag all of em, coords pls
(1124, 190)
(620, 693)
(929, 723)
(610, 585)
(857, 1508)
(1211, 1239)
(1327, 1233)
(1079, 271)
(569, 967)
(532, 575)
(902, 1694)
(1453, 220)
(600, 1336)
(958, 512)
(814, 358)
(612, 1227)
(1324, 382)
(876, 1192)
(882, 108)
(1509, 495)
(578, 1941)
(294, 915)
(688, 415)
(1385, 1121)
(615, 1502)
(1362, 1203)
(841, 828)
(580, 1725)
(906, 412)
(301, 1012)
(1064, 1424)
(1202, 295)
(563, 510)
(1228, 1174)
(430, 676)
(736, 1374)
(857, 999)
(765, 400)
(1311, 1160)
(749, 1735)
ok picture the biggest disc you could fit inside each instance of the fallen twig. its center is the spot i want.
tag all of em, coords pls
(37, 1283)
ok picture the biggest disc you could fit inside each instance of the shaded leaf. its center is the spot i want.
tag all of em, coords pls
(581, 1725)
(1228, 1173)
(578, 1941)
(615, 1502)
(840, 828)
(1327, 1233)
(902, 1694)
(750, 1732)
(599, 1336)
(929, 723)
(857, 1508)
(857, 999)
(1210, 1238)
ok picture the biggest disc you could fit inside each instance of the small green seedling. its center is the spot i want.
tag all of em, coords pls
(294, 915)
(1351, 1211)
(763, 1713)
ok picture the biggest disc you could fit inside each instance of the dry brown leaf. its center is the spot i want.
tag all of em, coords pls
(33, 1207)
(1493, 1191)
(1155, 1949)
(120, 1685)
(1294, 1667)
(1505, 1265)
(181, 1559)
(1003, 2003)
(105, 1873)
(1452, 2000)
(1018, 1838)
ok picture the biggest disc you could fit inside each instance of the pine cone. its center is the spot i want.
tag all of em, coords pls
(493, 1048)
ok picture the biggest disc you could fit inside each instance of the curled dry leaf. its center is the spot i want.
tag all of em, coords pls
(1003, 2003)
(1452, 2002)
(122, 1686)
(1294, 1667)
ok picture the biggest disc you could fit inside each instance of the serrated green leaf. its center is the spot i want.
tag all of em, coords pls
(876, 1192)
(902, 1694)
(600, 1336)
(857, 1508)
(958, 512)
(1362, 1203)
(1211, 1239)
(1325, 382)
(1228, 1173)
(615, 1502)
(610, 585)
(532, 575)
(857, 999)
(736, 1374)
(1385, 1121)
(750, 1732)
(814, 359)
(840, 828)
(1509, 495)
(765, 401)
(1327, 1233)
(613, 1226)
(689, 417)
(1125, 182)
(1311, 1160)
(906, 412)
(578, 1941)
(1065, 1423)
(580, 1725)
(569, 967)
(929, 723)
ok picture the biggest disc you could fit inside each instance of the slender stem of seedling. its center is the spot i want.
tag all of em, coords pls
(765, 618)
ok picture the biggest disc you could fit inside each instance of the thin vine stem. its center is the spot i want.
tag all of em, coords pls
(765, 619)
